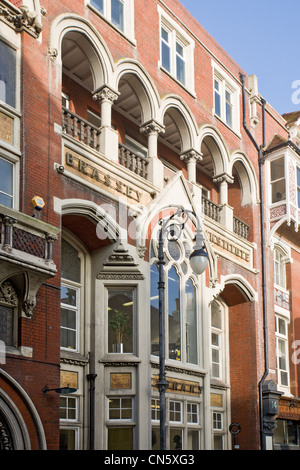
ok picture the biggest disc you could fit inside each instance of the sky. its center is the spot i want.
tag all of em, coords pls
(262, 36)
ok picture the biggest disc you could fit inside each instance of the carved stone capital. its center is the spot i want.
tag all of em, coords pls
(152, 127)
(105, 93)
(223, 178)
(191, 156)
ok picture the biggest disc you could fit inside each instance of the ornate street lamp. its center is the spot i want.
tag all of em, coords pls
(173, 228)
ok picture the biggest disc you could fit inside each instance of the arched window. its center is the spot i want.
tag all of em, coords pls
(181, 314)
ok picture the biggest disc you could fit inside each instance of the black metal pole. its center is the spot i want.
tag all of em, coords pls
(162, 383)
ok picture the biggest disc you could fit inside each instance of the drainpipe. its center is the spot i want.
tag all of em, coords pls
(261, 161)
(91, 378)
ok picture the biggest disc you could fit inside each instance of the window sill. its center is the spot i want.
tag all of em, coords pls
(234, 131)
(184, 87)
(115, 358)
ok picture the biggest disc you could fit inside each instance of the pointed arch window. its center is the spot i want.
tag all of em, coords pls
(181, 313)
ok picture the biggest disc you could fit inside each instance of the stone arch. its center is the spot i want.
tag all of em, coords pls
(133, 79)
(180, 125)
(19, 416)
(236, 290)
(88, 41)
(101, 227)
(241, 167)
(214, 152)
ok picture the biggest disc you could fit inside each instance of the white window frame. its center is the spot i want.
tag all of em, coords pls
(176, 412)
(76, 309)
(226, 85)
(283, 338)
(177, 35)
(121, 398)
(13, 167)
(128, 17)
(77, 433)
(298, 186)
(279, 259)
(68, 398)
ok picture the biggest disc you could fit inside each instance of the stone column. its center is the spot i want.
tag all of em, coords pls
(108, 139)
(226, 215)
(155, 172)
(191, 157)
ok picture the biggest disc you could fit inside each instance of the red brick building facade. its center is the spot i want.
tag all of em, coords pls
(114, 113)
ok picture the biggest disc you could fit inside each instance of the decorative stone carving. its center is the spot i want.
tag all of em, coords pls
(27, 20)
(120, 266)
(105, 93)
(152, 127)
(28, 307)
(8, 294)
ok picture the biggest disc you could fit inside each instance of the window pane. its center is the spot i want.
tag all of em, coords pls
(279, 432)
(154, 311)
(68, 329)
(155, 439)
(277, 169)
(278, 191)
(7, 74)
(120, 439)
(117, 14)
(67, 439)
(218, 442)
(6, 183)
(98, 4)
(165, 59)
(175, 439)
(68, 296)
(120, 321)
(193, 440)
(6, 325)
(70, 268)
(217, 98)
(174, 315)
(180, 69)
(191, 324)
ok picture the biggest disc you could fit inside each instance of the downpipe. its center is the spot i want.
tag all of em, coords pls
(261, 161)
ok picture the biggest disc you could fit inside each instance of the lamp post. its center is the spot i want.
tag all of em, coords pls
(198, 262)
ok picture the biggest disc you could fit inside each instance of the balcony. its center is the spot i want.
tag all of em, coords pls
(80, 129)
(132, 161)
(26, 248)
(213, 211)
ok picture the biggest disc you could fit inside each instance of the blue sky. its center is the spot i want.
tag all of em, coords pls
(262, 36)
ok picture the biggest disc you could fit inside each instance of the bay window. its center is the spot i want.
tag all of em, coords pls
(277, 177)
